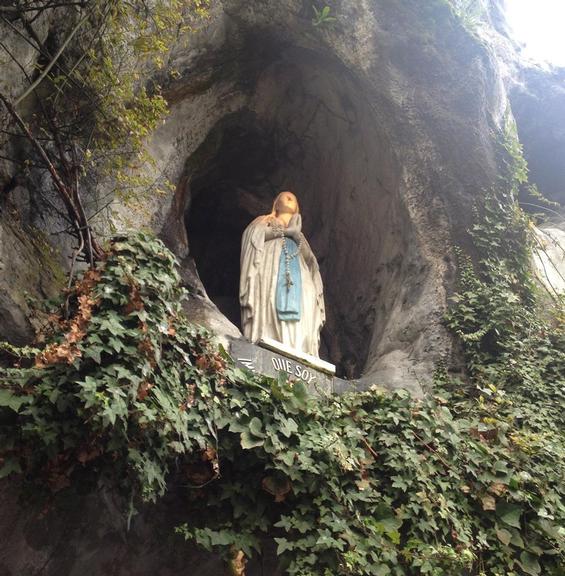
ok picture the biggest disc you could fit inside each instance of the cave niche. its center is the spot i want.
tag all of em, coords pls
(306, 127)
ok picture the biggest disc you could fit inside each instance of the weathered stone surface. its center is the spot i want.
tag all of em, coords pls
(31, 265)
(383, 127)
(549, 256)
(271, 363)
(537, 96)
(29, 270)
(85, 534)
(382, 124)
(15, 68)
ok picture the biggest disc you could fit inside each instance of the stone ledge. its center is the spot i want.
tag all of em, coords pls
(307, 359)
(270, 358)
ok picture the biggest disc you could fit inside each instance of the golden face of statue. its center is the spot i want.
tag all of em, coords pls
(286, 202)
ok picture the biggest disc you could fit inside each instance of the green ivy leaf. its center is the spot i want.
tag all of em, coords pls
(10, 400)
(288, 458)
(517, 539)
(300, 393)
(255, 428)
(504, 536)
(237, 427)
(529, 564)
(509, 513)
(248, 441)
(94, 352)
(386, 521)
(283, 545)
(10, 466)
(288, 427)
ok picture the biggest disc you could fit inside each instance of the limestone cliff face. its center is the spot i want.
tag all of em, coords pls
(30, 267)
(383, 124)
(386, 124)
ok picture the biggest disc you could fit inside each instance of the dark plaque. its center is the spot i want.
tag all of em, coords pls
(271, 363)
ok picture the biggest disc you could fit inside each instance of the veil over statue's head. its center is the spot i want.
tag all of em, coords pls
(279, 203)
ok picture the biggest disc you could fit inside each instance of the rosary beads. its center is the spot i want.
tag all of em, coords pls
(288, 256)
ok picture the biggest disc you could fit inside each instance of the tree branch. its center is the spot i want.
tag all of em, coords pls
(70, 199)
(47, 69)
(21, 9)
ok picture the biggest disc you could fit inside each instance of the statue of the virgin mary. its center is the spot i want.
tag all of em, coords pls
(280, 289)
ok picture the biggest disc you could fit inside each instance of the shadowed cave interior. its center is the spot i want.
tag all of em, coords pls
(306, 127)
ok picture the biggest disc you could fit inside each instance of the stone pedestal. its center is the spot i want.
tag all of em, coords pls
(269, 357)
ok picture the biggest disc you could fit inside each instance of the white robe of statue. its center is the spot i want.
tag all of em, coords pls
(260, 258)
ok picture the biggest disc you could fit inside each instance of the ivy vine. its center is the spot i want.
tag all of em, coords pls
(373, 483)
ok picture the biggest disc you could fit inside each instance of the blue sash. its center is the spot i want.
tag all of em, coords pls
(288, 299)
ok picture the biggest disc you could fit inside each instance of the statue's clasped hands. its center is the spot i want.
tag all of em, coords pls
(294, 228)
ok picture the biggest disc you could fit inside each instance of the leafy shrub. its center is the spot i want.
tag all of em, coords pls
(468, 480)
(116, 381)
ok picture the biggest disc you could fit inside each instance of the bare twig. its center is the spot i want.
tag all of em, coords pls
(374, 454)
(20, 9)
(70, 198)
(38, 45)
(432, 449)
(47, 69)
(540, 207)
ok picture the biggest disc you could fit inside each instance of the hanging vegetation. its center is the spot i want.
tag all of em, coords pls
(469, 478)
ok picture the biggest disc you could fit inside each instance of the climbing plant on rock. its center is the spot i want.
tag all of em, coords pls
(369, 483)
